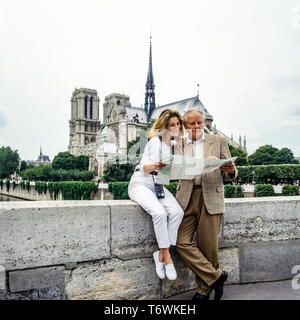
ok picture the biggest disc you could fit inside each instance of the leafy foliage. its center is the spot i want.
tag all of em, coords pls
(82, 162)
(290, 190)
(70, 190)
(54, 187)
(172, 187)
(284, 155)
(27, 185)
(8, 162)
(41, 187)
(233, 191)
(264, 190)
(273, 174)
(228, 191)
(64, 160)
(120, 190)
(67, 161)
(242, 156)
(238, 191)
(268, 154)
(22, 184)
(118, 172)
(23, 166)
(46, 173)
(7, 184)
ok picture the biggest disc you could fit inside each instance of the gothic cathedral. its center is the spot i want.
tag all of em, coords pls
(121, 121)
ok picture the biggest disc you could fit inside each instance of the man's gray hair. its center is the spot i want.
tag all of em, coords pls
(193, 110)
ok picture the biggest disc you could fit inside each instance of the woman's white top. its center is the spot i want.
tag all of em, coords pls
(152, 153)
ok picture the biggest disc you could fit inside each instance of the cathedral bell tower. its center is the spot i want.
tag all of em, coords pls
(150, 94)
(84, 124)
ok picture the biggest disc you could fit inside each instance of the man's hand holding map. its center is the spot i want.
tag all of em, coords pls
(187, 167)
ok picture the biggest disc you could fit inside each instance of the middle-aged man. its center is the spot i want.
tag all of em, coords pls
(202, 200)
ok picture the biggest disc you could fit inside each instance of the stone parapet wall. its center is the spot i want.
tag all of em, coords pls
(103, 249)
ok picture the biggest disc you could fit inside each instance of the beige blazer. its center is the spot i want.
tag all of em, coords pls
(212, 183)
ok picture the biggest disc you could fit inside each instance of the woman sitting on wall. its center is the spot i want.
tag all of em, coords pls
(154, 198)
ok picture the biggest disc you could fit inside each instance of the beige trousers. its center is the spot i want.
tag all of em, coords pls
(201, 258)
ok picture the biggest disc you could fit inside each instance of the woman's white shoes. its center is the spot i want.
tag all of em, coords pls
(159, 266)
(164, 270)
(170, 271)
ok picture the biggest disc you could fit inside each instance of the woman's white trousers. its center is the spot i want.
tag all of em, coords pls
(166, 212)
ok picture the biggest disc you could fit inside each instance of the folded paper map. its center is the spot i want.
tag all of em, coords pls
(187, 167)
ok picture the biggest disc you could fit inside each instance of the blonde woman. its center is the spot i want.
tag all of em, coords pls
(166, 212)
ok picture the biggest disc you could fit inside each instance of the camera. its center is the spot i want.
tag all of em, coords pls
(159, 190)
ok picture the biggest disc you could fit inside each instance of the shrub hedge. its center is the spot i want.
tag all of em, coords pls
(7, 184)
(290, 190)
(233, 191)
(264, 190)
(272, 174)
(54, 188)
(228, 191)
(238, 192)
(46, 173)
(172, 187)
(120, 189)
(27, 185)
(40, 187)
(75, 190)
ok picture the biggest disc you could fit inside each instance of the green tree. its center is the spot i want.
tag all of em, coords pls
(263, 155)
(8, 162)
(284, 156)
(23, 166)
(65, 161)
(82, 162)
(242, 156)
(271, 155)
(118, 172)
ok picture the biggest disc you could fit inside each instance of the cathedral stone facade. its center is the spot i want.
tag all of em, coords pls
(121, 122)
(84, 124)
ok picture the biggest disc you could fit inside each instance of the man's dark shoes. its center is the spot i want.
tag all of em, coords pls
(218, 285)
(200, 297)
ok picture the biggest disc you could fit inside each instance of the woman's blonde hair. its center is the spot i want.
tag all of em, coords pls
(162, 123)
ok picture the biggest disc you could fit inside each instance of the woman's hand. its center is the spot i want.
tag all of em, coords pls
(158, 165)
(153, 166)
(213, 157)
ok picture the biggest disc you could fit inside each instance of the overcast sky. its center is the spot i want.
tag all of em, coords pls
(245, 54)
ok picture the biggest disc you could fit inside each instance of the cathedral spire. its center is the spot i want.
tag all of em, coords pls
(150, 94)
